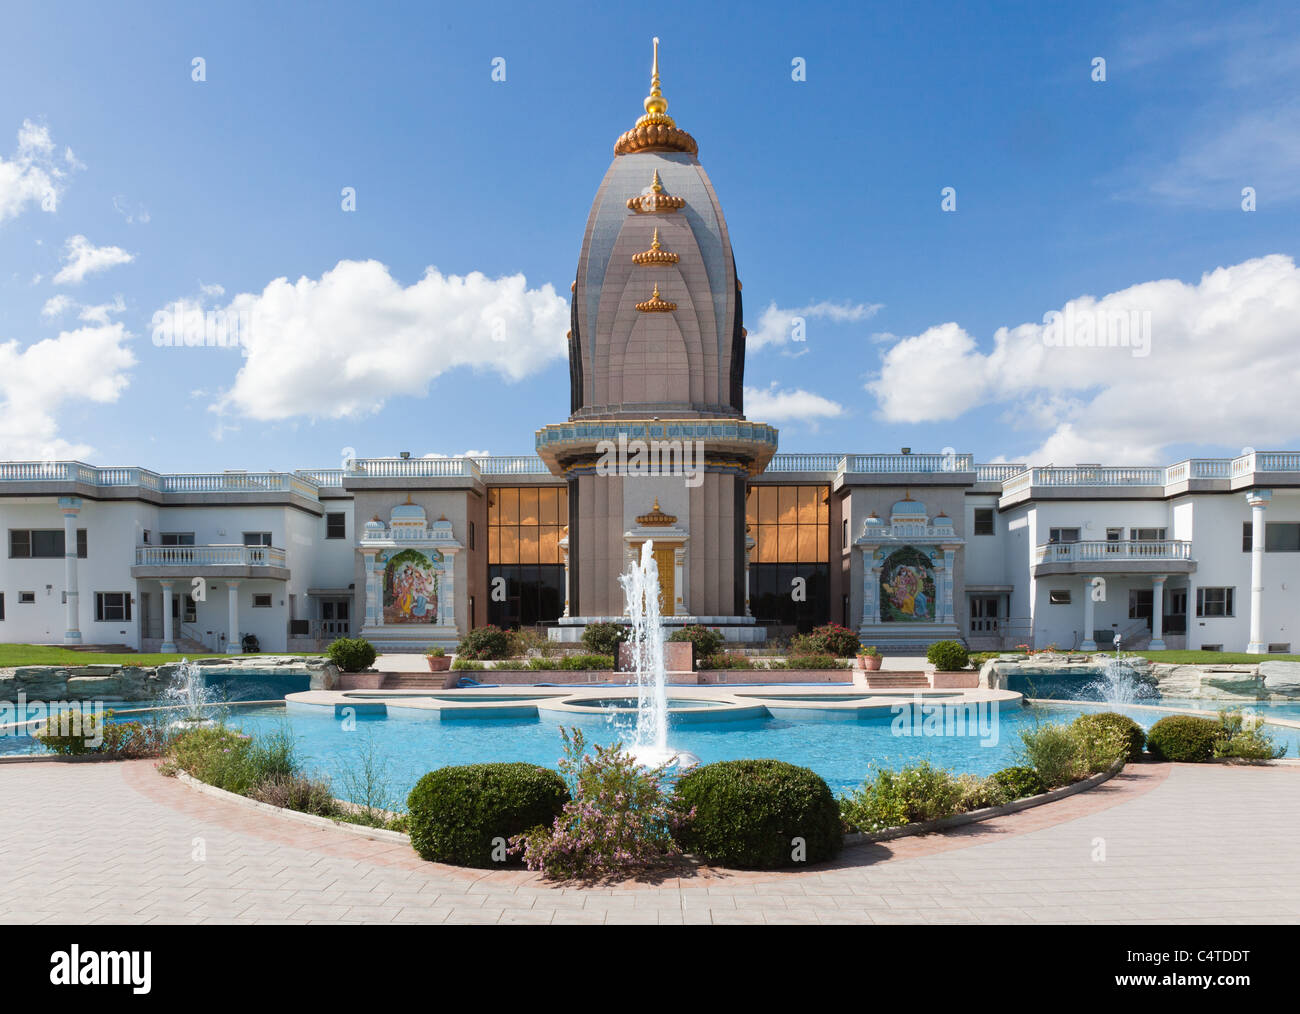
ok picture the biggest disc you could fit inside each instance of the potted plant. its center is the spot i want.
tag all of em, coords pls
(869, 658)
(438, 660)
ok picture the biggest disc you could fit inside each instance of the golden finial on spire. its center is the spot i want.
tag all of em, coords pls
(654, 243)
(655, 103)
(654, 199)
(657, 185)
(655, 131)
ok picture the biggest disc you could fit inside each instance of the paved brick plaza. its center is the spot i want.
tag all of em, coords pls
(1182, 844)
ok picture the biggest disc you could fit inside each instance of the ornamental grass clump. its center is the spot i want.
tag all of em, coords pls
(1244, 738)
(620, 821)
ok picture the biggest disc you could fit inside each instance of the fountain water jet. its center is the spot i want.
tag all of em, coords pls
(646, 647)
(189, 691)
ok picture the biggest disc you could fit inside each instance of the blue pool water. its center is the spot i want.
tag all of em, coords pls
(841, 751)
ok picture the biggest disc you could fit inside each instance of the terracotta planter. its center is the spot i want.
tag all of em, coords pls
(437, 664)
(870, 663)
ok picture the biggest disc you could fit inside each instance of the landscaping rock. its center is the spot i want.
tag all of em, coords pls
(1281, 679)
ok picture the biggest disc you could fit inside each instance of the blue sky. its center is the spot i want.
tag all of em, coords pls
(1066, 187)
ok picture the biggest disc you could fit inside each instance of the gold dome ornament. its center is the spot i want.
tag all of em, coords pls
(655, 255)
(655, 304)
(652, 199)
(656, 518)
(655, 131)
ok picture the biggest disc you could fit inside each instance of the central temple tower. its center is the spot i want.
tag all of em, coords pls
(657, 445)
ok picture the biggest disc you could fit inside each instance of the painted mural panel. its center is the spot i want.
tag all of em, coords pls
(907, 587)
(411, 586)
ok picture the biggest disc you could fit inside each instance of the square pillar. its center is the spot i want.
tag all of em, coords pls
(169, 635)
(1089, 617)
(1158, 612)
(232, 597)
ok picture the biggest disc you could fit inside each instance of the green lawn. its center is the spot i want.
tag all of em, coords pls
(46, 654)
(1212, 657)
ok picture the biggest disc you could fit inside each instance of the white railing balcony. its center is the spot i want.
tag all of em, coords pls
(522, 464)
(997, 473)
(909, 463)
(1198, 468)
(238, 482)
(1266, 461)
(209, 556)
(414, 468)
(1103, 551)
(322, 478)
(805, 463)
(1096, 475)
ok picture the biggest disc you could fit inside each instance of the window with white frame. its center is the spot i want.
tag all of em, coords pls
(1059, 535)
(984, 523)
(257, 538)
(175, 538)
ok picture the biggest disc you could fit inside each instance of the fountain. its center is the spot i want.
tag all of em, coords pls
(189, 692)
(646, 647)
(1119, 682)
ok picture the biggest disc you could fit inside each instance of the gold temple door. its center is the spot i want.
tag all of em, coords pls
(665, 559)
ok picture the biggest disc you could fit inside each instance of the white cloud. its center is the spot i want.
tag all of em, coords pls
(777, 325)
(212, 290)
(33, 174)
(138, 213)
(88, 364)
(100, 314)
(57, 306)
(466, 454)
(82, 258)
(771, 404)
(1222, 369)
(341, 345)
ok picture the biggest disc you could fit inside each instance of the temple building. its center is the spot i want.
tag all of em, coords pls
(904, 548)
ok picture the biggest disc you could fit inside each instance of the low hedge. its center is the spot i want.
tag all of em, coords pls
(351, 654)
(1184, 738)
(1019, 782)
(707, 641)
(584, 663)
(1092, 726)
(948, 656)
(455, 813)
(747, 814)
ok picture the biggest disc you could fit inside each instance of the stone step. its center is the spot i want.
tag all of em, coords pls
(897, 681)
(412, 680)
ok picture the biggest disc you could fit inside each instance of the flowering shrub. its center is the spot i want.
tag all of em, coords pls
(828, 639)
(485, 642)
(707, 641)
(619, 821)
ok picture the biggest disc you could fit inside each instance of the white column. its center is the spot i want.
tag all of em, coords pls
(1089, 617)
(169, 639)
(232, 639)
(71, 506)
(447, 594)
(374, 593)
(1258, 500)
(949, 561)
(1158, 613)
(749, 552)
(564, 558)
(679, 578)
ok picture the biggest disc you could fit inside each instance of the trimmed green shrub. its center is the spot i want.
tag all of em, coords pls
(748, 813)
(72, 732)
(1092, 727)
(455, 813)
(486, 642)
(948, 656)
(467, 663)
(1019, 782)
(351, 654)
(724, 660)
(828, 639)
(581, 663)
(1186, 738)
(604, 638)
(812, 662)
(708, 642)
(543, 663)
(912, 795)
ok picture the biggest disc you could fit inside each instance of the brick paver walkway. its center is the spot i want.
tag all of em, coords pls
(116, 842)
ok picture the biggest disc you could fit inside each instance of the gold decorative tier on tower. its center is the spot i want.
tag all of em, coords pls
(655, 255)
(656, 305)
